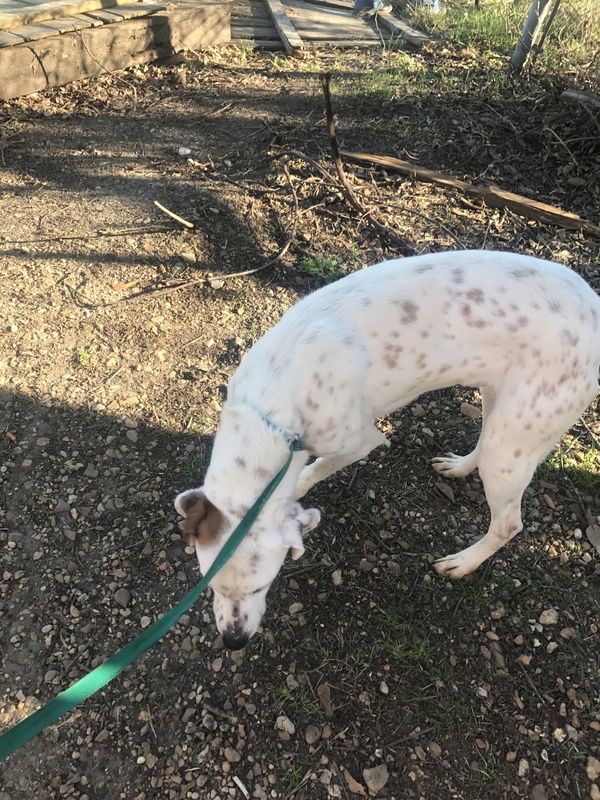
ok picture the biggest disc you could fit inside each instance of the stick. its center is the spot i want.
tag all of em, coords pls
(490, 195)
(173, 215)
(346, 188)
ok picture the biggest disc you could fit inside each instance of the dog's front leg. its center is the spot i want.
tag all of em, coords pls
(324, 466)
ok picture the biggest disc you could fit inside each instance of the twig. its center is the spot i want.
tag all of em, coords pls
(346, 188)
(97, 235)
(174, 216)
(531, 683)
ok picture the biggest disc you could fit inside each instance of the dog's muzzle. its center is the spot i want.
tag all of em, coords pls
(234, 638)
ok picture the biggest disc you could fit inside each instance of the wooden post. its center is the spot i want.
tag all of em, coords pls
(530, 32)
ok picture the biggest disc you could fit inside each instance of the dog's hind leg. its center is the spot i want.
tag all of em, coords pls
(452, 466)
(527, 420)
(324, 466)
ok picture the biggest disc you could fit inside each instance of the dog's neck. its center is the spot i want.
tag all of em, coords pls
(248, 451)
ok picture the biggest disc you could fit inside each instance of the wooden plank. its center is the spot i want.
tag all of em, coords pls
(339, 4)
(23, 13)
(289, 35)
(490, 195)
(404, 31)
(265, 44)
(8, 38)
(316, 44)
(251, 32)
(65, 57)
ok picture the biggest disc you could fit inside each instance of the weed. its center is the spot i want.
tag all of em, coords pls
(300, 702)
(446, 714)
(85, 359)
(327, 269)
(192, 468)
(582, 466)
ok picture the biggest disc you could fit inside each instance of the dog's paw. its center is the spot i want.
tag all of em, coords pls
(453, 466)
(305, 482)
(457, 565)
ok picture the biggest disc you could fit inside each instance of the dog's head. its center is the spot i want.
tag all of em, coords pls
(241, 586)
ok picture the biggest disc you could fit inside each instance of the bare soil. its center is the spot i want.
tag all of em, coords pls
(111, 382)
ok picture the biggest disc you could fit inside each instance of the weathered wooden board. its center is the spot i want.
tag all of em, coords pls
(328, 23)
(50, 27)
(23, 12)
(404, 31)
(287, 32)
(65, 57)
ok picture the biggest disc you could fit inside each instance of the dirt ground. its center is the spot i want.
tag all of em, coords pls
(111, 381)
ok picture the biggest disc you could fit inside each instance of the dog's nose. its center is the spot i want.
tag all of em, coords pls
(235, 639)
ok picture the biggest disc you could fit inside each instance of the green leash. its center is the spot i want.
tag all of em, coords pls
(88, 685)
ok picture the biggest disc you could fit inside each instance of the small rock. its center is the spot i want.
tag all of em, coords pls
(551, 647)
(524, 659)
(295, 608)
(90, 471)
(312, 734)
(435, 749)
(538, 792)
(285, 724)
(384, 688)
(523, 767)
(594, 792)
(498, 612)
(417, 410)
(130, 423)
(217, 664)
(188, 256)
(151, 760)
(50, 675)
(511, 756)
(69, 534)
(592, 769)
(470, 411)
(145, 621)
(549, 617)
(567, 633)
(216, 283)
(376, 777)
(324, 693)
(123, 597)
(232, 755)
(336, 577)
(61, 507)
(132, 436)
(74, 612)
(549, 501)
(42, 442)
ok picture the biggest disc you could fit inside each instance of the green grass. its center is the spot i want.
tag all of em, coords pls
(497, 24)
(299, 703)
(581, 464)
(192, 468)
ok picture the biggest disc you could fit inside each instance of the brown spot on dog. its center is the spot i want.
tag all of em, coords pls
(262, 473)
(423, 268)
(522, 321)
(203, 521)
(554, 306)
(311, 403)
(240, 462)
(365, 301)
(476, 295)
(390, 361)
(395, 334)
(465, 310)
(444, 367)
(458, 276)
(523, 272)
(517, 452)
(410, 312)
(571, 338)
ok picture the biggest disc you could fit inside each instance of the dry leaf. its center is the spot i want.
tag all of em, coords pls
(593, 535)
(354, 786)
(324, 692)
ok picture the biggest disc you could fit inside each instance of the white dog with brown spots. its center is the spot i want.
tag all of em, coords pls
(525, 331)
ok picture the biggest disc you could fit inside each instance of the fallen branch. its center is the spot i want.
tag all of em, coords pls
(490, 195)
(345, 186)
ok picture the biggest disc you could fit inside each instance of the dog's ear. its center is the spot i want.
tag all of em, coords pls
(203, 522)
(295, 526)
